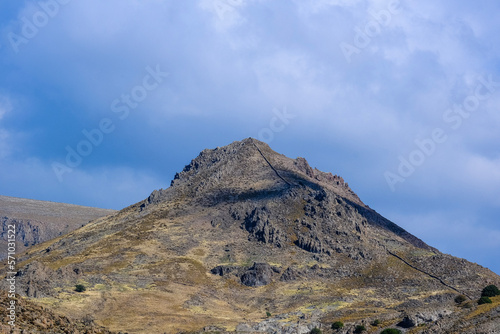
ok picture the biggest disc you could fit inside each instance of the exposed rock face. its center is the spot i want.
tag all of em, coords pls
(258, 275)
(290, 274)
(243, 231)
(40, 280)
(423, 317)
(223, 270)
(258, 224)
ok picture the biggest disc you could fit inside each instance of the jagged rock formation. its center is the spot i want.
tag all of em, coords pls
(39, 221)
(243, 231)
(258, 274)
(40, 280)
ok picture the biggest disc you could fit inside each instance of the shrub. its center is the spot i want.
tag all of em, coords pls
(360, 329)
(490, 291)
(315, 330)
(268, 314)
(390, 331)
(468, 305)
(376, 323)
(460, 299)
(337, 325)
(80, 288)
(484, 300)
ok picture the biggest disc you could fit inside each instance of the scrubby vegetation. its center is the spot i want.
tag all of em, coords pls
(391, 331)
(360, 329)
(460, 299)
(337, 325)
(376, 323)
(80, 288)
(315, 330)
(468, 305)
(490, 291)
(484, 300)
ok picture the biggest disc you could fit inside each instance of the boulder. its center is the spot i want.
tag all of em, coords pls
(258, 275)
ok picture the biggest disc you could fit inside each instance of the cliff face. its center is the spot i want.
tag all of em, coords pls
(38, 221)
(243, 231)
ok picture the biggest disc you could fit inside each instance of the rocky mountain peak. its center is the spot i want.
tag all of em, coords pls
(242, 232)
(245, 167)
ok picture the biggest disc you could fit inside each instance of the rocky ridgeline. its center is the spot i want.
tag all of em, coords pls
(247, 173)
(237, 168)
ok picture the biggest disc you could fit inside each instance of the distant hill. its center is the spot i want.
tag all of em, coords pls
(39, 221)
(247, 240)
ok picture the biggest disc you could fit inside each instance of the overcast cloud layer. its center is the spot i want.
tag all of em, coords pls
(101, 102)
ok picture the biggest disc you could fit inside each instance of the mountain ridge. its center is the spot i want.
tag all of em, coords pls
(38, 221)
(243, 231)
(301, 165)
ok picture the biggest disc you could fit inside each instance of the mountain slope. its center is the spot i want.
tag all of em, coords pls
(39, 221)
(35, 319)
(243, 231)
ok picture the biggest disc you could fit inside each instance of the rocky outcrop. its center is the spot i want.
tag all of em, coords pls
(28, 232)
(224, 270)
(38, 280)
(290, 274)
(279, 325)
(262, 229)
(310, 244)
(258, 275)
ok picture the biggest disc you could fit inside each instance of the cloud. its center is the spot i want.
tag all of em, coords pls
(5, 107)
(100, 187)
(226, 13)
(230, 64)
(4, 147)
(464, 236)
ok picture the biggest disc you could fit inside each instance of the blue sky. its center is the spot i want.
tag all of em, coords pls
(400, 98)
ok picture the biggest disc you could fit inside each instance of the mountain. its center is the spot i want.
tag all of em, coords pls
(248, 240)
(39, 221)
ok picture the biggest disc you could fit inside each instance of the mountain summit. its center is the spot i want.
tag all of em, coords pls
(248, 172)
(248, 240)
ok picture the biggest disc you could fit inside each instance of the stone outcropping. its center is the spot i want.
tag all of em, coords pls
(259, 274)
